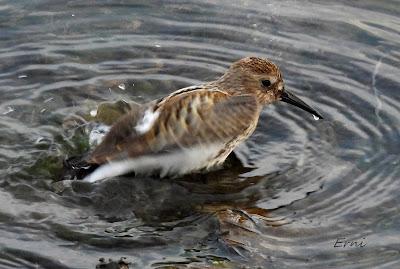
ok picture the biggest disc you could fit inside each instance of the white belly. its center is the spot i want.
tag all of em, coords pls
(179, 162)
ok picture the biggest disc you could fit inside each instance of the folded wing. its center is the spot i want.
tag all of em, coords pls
(185, 120)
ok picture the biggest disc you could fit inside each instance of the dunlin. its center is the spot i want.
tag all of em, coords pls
(194, 128)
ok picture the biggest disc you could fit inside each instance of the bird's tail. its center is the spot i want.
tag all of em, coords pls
(112, 169)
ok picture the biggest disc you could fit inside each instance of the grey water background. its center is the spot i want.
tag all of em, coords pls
(317, 180)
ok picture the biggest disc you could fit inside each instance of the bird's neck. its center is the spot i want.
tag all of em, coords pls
(237, 83)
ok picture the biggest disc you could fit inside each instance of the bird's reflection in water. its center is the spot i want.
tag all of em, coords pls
(222, 202)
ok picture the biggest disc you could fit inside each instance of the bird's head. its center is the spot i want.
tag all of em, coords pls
(262, 78)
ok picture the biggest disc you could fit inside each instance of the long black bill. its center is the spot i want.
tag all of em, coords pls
(292, 99)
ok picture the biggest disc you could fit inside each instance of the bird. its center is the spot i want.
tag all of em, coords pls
(193, 129)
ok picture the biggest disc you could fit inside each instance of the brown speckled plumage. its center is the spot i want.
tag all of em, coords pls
(223, 112)
(198, 115)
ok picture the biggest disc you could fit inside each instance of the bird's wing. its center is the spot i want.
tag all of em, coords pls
(185, 120)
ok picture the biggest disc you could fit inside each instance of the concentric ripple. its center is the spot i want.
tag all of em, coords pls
(300, 187)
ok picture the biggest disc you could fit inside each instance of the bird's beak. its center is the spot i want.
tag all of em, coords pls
(292, 99)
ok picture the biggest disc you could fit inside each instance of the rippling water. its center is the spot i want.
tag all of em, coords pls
(306, 184)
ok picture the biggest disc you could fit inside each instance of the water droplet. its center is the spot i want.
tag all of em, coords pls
(93, 112)
(22, 76)
(43, 110)
(73, 15)
(122, 86)
(315, 117)
(157, 46)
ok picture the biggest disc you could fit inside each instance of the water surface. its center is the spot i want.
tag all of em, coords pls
(305, 185)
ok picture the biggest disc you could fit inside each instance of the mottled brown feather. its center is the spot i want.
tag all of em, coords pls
(186, 120)
(256, 65)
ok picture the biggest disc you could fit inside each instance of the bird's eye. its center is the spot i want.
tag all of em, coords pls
(266, 83)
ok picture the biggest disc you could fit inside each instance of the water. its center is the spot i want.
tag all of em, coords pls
(306, 185)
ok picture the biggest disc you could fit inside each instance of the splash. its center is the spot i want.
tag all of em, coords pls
(122, 86)
(93, 112)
